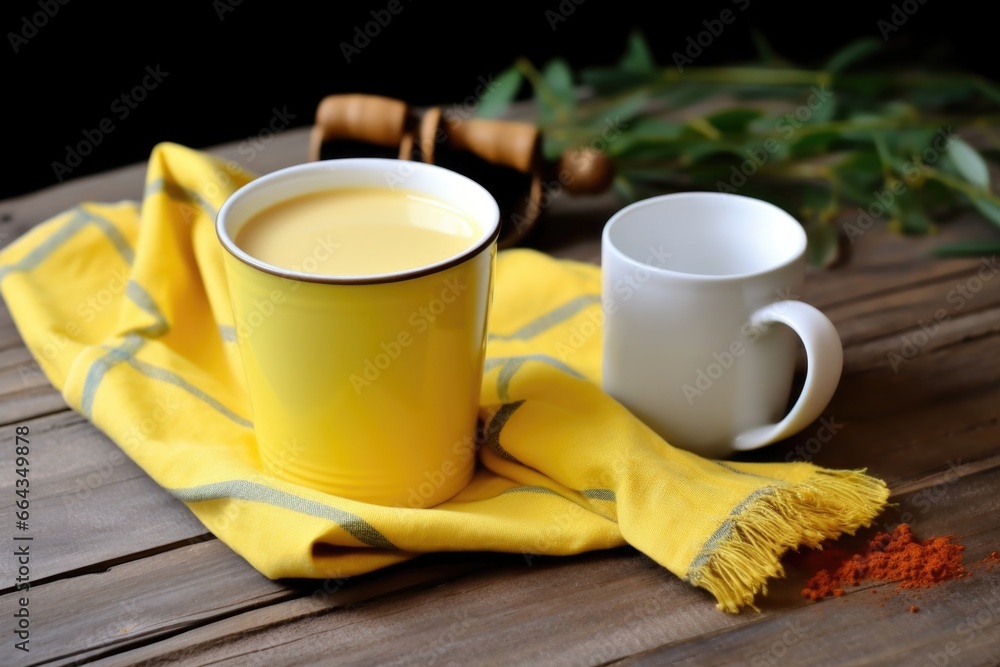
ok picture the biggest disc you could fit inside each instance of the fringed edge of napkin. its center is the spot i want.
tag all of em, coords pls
(831, 503)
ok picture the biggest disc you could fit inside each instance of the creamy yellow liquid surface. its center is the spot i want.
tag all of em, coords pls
(357, 232)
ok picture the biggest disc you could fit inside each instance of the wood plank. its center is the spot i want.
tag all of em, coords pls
(589, 609)
(74, 619)
(883, 261)
(25, 392)
(937, 300)
(958, 621)
(104, 613)
(90, 504)
(509, 614)
(940, 411)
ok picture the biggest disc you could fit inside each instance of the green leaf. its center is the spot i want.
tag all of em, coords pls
(619, 115)
(854, 52)
(764, 49)
(734, 120)
(624, 189)
(863, 170)
(815, 143)
(913, 219)
(685, 96)
(822, 245)
(989, 90)
(497, 98)
(990, 210)
(816, 201)
(553, 147)
(559, 79)
(937, 199)
(655, 128)
(611, 80)
(638, 59)
(698, 151)
(646, 132)
(968, 162)
(825, 112)
(861, 126)
(968, 249)
(942, 95)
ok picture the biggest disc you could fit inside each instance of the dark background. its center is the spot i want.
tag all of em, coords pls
(231, 64)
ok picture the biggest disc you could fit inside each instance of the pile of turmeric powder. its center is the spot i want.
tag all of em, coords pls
(895, 557)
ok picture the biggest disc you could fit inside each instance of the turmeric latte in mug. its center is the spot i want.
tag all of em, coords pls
(360, 291)
(358, 231)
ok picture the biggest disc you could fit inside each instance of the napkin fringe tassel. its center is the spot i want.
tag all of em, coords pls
(830, 503)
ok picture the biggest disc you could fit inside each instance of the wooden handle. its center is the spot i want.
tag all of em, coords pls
(509, 143)
(366, 118)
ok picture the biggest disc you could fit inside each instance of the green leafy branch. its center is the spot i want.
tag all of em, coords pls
(836, 145)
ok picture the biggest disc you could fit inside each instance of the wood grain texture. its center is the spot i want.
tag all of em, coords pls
(125, 609)
(91, 506)
(599, 607)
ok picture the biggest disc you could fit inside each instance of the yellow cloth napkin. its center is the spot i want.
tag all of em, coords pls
(125, 308)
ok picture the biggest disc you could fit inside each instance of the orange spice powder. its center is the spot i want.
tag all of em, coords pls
(899, 557)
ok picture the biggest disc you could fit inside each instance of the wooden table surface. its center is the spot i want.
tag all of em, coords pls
(122, 573)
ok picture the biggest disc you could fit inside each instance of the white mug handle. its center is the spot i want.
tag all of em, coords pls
(824, 364)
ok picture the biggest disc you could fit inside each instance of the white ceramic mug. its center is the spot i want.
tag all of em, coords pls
(700, 294)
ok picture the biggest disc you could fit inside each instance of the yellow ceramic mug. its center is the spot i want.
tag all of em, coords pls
(365, 386)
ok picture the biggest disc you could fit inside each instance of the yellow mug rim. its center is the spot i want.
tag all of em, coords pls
(273, 179)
